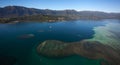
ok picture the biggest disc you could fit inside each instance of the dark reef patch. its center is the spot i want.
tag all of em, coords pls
(7, 60)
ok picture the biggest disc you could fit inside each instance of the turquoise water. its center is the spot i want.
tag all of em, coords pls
(14, 44)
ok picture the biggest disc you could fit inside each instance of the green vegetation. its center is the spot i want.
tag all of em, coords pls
(40, 18)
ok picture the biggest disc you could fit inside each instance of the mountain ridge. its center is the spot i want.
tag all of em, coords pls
(17, 11)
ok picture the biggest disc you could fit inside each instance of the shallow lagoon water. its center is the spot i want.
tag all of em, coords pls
(24, 49)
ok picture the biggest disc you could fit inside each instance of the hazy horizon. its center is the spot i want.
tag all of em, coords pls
(78, 5)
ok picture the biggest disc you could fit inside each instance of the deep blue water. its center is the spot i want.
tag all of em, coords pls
(12, 44)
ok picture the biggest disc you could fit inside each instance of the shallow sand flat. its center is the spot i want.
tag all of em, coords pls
(108, 35)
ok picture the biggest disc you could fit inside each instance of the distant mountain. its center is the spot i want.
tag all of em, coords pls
(17, 11)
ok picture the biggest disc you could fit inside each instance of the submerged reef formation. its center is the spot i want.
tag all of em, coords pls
(105, 45)
(25, 36)
(89, 49)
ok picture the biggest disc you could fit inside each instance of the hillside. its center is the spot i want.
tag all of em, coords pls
(19, 11)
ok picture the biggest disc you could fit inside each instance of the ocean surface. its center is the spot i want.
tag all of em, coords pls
(18, 41)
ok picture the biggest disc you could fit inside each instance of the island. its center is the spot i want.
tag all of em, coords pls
(89, 49)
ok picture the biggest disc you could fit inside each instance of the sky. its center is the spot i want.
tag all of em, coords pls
(79, 5)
